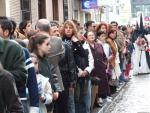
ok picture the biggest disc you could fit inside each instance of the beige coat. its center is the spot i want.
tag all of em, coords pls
(120, 40)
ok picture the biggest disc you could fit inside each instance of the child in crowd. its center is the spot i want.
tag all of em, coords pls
(44, 87)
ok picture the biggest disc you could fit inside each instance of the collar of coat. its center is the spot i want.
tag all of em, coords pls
(1, 44)
(112, 45)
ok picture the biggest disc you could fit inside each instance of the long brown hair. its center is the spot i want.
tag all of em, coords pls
(98, 27)
(38, 38)
(112, 31)
(70, 23)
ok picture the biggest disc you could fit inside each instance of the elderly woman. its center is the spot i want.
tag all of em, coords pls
(99, 77)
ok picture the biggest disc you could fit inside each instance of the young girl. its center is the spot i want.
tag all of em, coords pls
(44, 87)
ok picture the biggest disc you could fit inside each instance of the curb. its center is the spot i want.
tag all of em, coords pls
(116, 97)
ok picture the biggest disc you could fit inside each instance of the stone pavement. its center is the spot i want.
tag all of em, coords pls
(116, 97)
(133, 97)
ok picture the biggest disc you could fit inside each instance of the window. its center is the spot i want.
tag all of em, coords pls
(55, 10)
(26, 9)
(146, 10)
(117, 10)
(76, 14)
(41, 8)
(65, 10)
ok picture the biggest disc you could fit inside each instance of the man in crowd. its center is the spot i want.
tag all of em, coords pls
(12, 56)
(54, 29)
(56, 53)
(6, 28)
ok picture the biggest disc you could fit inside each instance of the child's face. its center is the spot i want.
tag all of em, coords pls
(102, 37)
(35, 62)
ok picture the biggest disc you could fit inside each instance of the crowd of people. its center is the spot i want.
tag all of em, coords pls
(67, 68)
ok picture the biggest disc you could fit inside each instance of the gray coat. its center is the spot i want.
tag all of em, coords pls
(55, 55)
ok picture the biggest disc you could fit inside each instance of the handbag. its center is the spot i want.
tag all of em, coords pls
(113, 82)
(95, 80)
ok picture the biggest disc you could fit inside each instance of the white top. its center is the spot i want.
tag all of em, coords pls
(45, 89)
(90, 58)
(107, 49)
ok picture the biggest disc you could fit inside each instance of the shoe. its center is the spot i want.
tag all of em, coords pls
(100, 102)
(108, 99)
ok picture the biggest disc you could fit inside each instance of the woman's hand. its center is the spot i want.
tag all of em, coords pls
(74, 39)
(42, 98)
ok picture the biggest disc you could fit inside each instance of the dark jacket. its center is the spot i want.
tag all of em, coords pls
(100, 61)
(31, 81)
(67, 65)
(48, 70)
(9, 98)
(12, 58)
(85, 60)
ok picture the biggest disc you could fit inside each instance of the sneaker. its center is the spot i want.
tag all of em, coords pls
(99, 100)
(108, 99)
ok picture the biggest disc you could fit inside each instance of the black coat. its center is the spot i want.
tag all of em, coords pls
(67, 65)
(48, 70)
(9, 97)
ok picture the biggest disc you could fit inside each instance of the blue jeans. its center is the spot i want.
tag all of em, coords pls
(83, 97)
(25, 106)
(65, 102)
(71, 104)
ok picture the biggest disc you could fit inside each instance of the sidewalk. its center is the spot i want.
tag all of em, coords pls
(117, 96)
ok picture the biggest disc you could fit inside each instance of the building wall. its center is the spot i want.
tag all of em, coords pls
(34, 11)
(61, 11)
(140, 6)
(14, 10)
(2, 8)
(139, 2)
(49, 10)
(70, 9)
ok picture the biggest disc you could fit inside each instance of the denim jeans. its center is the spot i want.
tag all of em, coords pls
(65, 103)
(71, 104)
(25, 106)
(83, 97)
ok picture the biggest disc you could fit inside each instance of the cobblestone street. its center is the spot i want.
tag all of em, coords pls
(135, 97)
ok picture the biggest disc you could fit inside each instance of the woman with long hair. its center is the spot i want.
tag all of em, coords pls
(68, 68)
(39, 44)
(113, 60)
